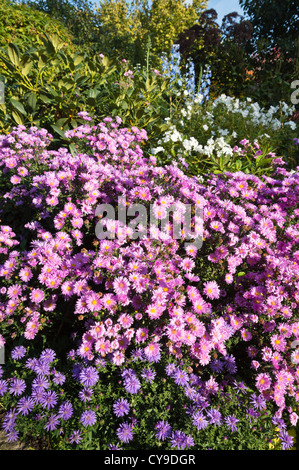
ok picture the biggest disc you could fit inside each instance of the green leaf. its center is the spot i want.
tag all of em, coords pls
(26, 67)
(58, 130)
(14, 54)
(17, 117)
(78, 59)
(17, 105)
(32, 100)
(73, 149)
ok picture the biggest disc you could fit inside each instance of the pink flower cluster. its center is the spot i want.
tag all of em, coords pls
(240, 290)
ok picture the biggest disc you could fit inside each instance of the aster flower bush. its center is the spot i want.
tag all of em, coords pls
(146, 342)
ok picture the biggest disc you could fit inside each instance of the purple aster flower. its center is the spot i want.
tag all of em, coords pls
(49, 399)
(240, 387)
(163, 430)
(58, 378)
(25, 405)
(12, 436)
(18, 352)
(231, 422)
(37, 395)
(121, 407)
(40, 382)
(125, 432)
(9, 421)
(48, 355)
(3, 387)
(214, 417)
(42, 368)
(88, 418)
(137, 354)
(178, 439)
(132, 384)
(199, 420)
(287, 441)
(52, 422)
(75, 437)
(189, 441)
(89, 376)
(65, 410)
(258, 402)
(86, 394)
(170, 369)
(148, 374)
(181, 377)
(114, 447)
(17, 386)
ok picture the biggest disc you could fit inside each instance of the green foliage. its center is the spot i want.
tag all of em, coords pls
(273, 21)
(23, 26)
(207, 135)
(47, 86)
(120, 28)
(274, 46)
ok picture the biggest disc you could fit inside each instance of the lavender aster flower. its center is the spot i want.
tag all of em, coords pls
(121, 407)
(3, 387)
(12, 436)
(48, 355)
(163, 430)
(178, 440)
(148, 374)
(86, 394)
(89, 376)
(231, 422)
(42, 368)
(88, 418)
(180, 377)
(214, 417)
(59, 378)
(132, 384)
(18, 352)
(52, 423)
(49, 399)
(40, 382)
(287, 441)
(125, 432)
(17, 387)
(65, 410)
(199, 420)
(25, 405)
(75, 437)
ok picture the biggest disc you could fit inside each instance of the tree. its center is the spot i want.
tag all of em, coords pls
(275, 44)
(123, 27)
(275, 20)
(223, 47)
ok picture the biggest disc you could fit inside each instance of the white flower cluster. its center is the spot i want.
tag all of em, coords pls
(214, 146)
(212, 138)
(255, 113)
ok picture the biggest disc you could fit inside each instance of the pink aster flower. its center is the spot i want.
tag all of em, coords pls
(263, 381)
(102, 346)
(200, 306)
(141, 335)
(94, 302)
(211, 289)
(125, 320)
(15, 179)
(37, 296)
(152, 351)
(121, 285)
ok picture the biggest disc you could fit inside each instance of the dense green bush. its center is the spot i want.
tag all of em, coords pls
(48, 85)
(23, 26)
